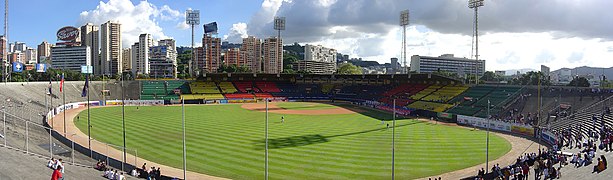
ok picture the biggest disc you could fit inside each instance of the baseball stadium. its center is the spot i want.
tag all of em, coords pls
(295, 126)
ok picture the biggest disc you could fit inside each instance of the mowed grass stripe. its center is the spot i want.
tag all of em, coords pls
(227, 141)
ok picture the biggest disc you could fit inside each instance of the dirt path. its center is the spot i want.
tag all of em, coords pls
(519, 146)
(273, 108)
(81, 138)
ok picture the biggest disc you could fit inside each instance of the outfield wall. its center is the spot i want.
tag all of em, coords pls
(507, 127)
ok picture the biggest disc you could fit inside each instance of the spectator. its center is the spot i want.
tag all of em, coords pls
(599, 167)
(134, 173)
(57, 174)
(58, 163)
(50, 163)
(120, 176)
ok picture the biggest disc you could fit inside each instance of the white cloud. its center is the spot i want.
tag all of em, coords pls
(134, 18)
(182, 25)
(369, 29)
(237, 32)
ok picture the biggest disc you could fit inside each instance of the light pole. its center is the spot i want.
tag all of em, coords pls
(487, 139)
(183, 124)
(475, 4)
(279, 26)
(404, 22)
(123, 122)
(192, 18)
(393, 138)
(4, 124)
(266, 141)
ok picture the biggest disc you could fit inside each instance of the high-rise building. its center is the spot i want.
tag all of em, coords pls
(17, 56)
(70, 57)
(18, 46)
(234, 56)
(44, 52)
(448, 63)
(110, 55)
(212, 46)
(318, 60)
(172, 48)
(273, 55)
(126, 58)
(4, 54)
(252, 54)
(133, 57)
(140, 62)
(90, 37)
(31, 56)
(199, 59)
(161, 63)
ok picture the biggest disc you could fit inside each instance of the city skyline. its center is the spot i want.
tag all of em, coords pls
(514, 35)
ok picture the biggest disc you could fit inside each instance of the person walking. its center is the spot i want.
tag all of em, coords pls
(282, 119)
(57, 174)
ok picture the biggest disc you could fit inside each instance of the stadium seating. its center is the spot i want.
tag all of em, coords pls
(430, 106)
(227, 87)
(245, 87)
(204, 90)
(162, 90)
(425, 92)
(268, 87)
(444, 94)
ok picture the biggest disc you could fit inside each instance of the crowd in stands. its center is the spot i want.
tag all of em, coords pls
(542, 163)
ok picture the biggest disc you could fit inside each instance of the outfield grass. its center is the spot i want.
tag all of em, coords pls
(304, 106)
(228, 141)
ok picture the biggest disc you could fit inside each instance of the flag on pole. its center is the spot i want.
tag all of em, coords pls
(62, 83)
(50, 86)
(84, 92)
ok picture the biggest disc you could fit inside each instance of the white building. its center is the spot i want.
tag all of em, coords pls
(317, 60)
(110, 37)
(161, 62)
(31, 56)
(70, 57)
(90, 37)
(140, 59)
(448, 63)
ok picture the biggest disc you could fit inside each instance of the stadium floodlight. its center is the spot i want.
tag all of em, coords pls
(279, 26)
(404, 22)
(192, 18)
(475, 4)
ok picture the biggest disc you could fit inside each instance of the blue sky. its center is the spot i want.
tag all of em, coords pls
(45, 17)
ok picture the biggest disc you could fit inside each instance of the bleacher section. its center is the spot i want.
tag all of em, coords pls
(203, 90)
(364, 92)
(245, 87)
(425, 92)
(227, 87)
(445, 94)
(430, 106)
(268, 87)
(162, 90)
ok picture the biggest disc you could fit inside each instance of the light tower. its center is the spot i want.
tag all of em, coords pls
(404, 22)
(279, 26)
(475, 4)
(192, 18)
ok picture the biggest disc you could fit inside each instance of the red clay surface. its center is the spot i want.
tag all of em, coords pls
(273, 108)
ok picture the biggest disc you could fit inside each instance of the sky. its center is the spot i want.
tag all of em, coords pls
(514, 34)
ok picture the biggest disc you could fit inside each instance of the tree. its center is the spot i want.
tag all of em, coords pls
(288, 60)
(348, 68)
(531, 78)
(490, 76)
(579, 82)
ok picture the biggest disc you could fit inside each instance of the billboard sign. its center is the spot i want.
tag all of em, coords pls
(41, 68)
(87, 69)
(68, 33)
(18, 67)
